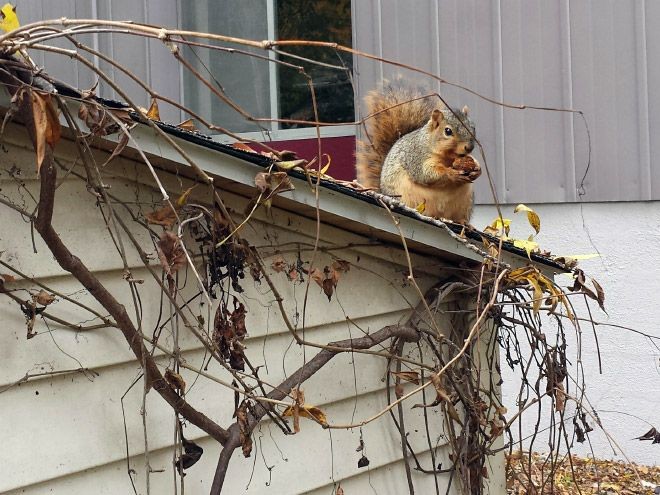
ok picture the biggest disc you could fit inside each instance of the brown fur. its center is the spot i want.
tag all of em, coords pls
(411, 149)
(389, 119)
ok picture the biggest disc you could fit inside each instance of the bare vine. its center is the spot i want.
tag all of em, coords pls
(203, 244)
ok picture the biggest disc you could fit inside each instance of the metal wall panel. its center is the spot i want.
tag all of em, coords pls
(149, 60)
(598, 57)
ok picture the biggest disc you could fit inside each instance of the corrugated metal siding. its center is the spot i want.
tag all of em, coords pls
(65, 434)
(599, 57)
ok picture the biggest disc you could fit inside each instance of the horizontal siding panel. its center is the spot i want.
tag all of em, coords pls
(335, 458)
(80, 419)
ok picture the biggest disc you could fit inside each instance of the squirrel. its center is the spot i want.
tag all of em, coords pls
(419, 153)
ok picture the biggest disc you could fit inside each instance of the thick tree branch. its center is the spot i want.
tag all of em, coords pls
(258, 411)
(72, 264)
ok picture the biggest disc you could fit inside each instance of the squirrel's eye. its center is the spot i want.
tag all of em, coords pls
(448, 131)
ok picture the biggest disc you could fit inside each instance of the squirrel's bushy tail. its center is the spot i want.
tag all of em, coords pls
(395, 110)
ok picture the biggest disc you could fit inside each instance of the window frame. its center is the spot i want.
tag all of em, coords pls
(276, 133)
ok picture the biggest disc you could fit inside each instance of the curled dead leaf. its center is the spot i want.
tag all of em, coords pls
(153, 112)
(187, 125)
(408, 376)
(317, 276)
(46, 124)
(191, 454)
(308, 411)
(532, 216)
(175, 380)
(167, 216)
(278, 264)
(244, 428)
(272, 183)
(291, 164)
(171, 252)
(43, 298)
(328, 287)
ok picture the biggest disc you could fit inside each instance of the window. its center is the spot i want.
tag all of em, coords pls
(263, 88)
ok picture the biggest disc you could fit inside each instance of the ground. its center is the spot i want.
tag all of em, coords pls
(591, 476)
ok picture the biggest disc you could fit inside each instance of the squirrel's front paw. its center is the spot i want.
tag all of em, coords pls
(467, 167)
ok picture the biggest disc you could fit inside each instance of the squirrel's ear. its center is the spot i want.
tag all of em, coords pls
(437, 118)
(466, 110)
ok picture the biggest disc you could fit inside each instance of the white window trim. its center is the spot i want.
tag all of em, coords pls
(291, 134)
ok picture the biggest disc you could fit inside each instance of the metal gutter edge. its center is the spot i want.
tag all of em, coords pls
(242, 166)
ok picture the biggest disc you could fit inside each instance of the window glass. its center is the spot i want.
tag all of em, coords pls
(324, 21)
(251, 82)
(245, 80)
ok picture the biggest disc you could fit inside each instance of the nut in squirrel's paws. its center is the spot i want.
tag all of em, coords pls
(468, 167)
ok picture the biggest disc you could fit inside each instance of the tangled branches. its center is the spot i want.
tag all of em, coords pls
(423, 326)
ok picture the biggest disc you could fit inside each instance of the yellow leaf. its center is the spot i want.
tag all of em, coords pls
(8, 18)
(153, 112)
(528, 245)
(308, 411)
(532, 216)
(184, 197)
(327, 165)
(499, 227)
(290, 164)
(538, 294)
(421, 208)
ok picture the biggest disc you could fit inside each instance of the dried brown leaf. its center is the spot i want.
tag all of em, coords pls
(244, 429)
(317, 276)
(121, 145)
(600, 294)
(165, 216)
(306, 411)
(153, 112)
(175, 380)
(170, 252)
(278, 264)
(328, 285)
(43, 298)
(187, 125)
(242, 147)
(272, 183)
(46, 124)
(408, 376)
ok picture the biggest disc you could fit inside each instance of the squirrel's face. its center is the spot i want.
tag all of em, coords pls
(454, 132)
